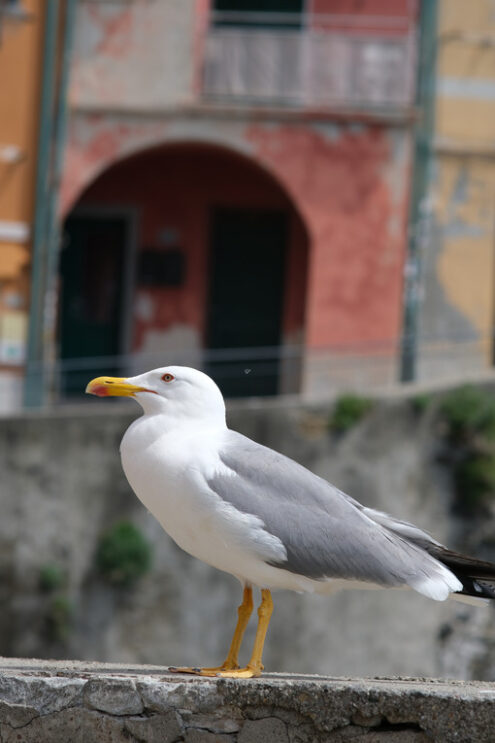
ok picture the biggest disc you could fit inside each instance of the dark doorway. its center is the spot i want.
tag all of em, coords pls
(92, 273)
(248, 256)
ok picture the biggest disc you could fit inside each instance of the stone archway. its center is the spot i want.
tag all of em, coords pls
(176, 207)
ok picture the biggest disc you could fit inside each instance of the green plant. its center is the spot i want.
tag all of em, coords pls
(51, 577)
(420, 403)
(123, 555)
(469, 411)
(59, 617)
(475, 480)
(348, 411)
(469, 415)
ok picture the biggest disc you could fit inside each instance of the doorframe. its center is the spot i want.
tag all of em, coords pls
(130, 215)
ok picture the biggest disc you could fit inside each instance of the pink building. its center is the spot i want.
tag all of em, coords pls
(235, 191)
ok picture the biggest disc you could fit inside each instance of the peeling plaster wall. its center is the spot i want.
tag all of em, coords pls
(174, 190)
(377, 9)
(97, 141)
(349, 183)
(458, 299)
(347, 180)
(457, 313)
(137, 55)
(21, 47)
(465, 71)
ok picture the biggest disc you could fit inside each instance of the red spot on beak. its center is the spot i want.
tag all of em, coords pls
(100, 390)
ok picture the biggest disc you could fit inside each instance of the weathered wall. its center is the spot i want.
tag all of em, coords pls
(351, 186)
(457, 315)
(134, 56)
(176, 189)
(347, 178)
(347, 181)
(377, 9)
(117, 704)
(21, 48)
(62, 485)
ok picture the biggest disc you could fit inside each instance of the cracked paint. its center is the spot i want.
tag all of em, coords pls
(464, 198)
(171, 190)
(134, 56)
(343, 183)
(114, 25)
(355, 282)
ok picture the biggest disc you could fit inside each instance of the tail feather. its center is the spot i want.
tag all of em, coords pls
(477, 576)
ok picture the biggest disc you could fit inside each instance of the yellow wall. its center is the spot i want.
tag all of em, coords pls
(464, 187)
(466, 72)
(20, 72)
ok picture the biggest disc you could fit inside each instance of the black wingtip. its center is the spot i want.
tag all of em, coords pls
(477, 576)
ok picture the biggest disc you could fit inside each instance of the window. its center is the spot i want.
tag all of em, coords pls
(258, 13)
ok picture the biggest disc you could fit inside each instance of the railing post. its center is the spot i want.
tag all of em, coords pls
(423, 157)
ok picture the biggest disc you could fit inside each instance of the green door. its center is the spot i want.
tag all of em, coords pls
(247, 269)
(92, 271)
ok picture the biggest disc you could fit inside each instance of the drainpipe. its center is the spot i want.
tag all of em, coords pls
(422, 174)
(33, 390)
(53, 223)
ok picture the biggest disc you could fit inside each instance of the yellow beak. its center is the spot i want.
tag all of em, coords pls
(113, 387)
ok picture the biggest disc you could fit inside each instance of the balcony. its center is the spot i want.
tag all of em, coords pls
(310, 62)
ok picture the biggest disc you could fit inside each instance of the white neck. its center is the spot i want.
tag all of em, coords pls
(205, 412)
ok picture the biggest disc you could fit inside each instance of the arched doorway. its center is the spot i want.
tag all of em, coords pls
(185, 254)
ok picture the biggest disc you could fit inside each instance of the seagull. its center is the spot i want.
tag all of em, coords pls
(248, 510)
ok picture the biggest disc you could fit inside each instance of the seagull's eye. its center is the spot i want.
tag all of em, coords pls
(168, 377)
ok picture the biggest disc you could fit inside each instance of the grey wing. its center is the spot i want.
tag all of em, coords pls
(402, 528)
(326, 534)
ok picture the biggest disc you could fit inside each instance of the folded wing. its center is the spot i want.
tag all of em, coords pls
(326, 533)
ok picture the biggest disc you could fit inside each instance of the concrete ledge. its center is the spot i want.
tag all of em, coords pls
(64, 701)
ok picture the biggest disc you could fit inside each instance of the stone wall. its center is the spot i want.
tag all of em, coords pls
(62, 485)
(80, 702)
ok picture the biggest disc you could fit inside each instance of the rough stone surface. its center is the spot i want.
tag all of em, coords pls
(271, 729)
(61, 701)
(113, 696)
(156, 728)
(204, 736)
(46, 695)
(17, 715)
(213, 724)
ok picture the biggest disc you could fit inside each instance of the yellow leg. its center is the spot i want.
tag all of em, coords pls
(255, 666)
(243, 613)
(231, 662)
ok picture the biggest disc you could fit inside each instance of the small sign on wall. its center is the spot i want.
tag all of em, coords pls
(13, 332)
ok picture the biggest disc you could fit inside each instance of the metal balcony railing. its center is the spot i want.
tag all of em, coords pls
(324, 62)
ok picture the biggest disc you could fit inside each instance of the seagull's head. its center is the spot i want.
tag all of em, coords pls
(177, 391)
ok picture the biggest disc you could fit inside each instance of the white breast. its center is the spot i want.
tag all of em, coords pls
(168, 471)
